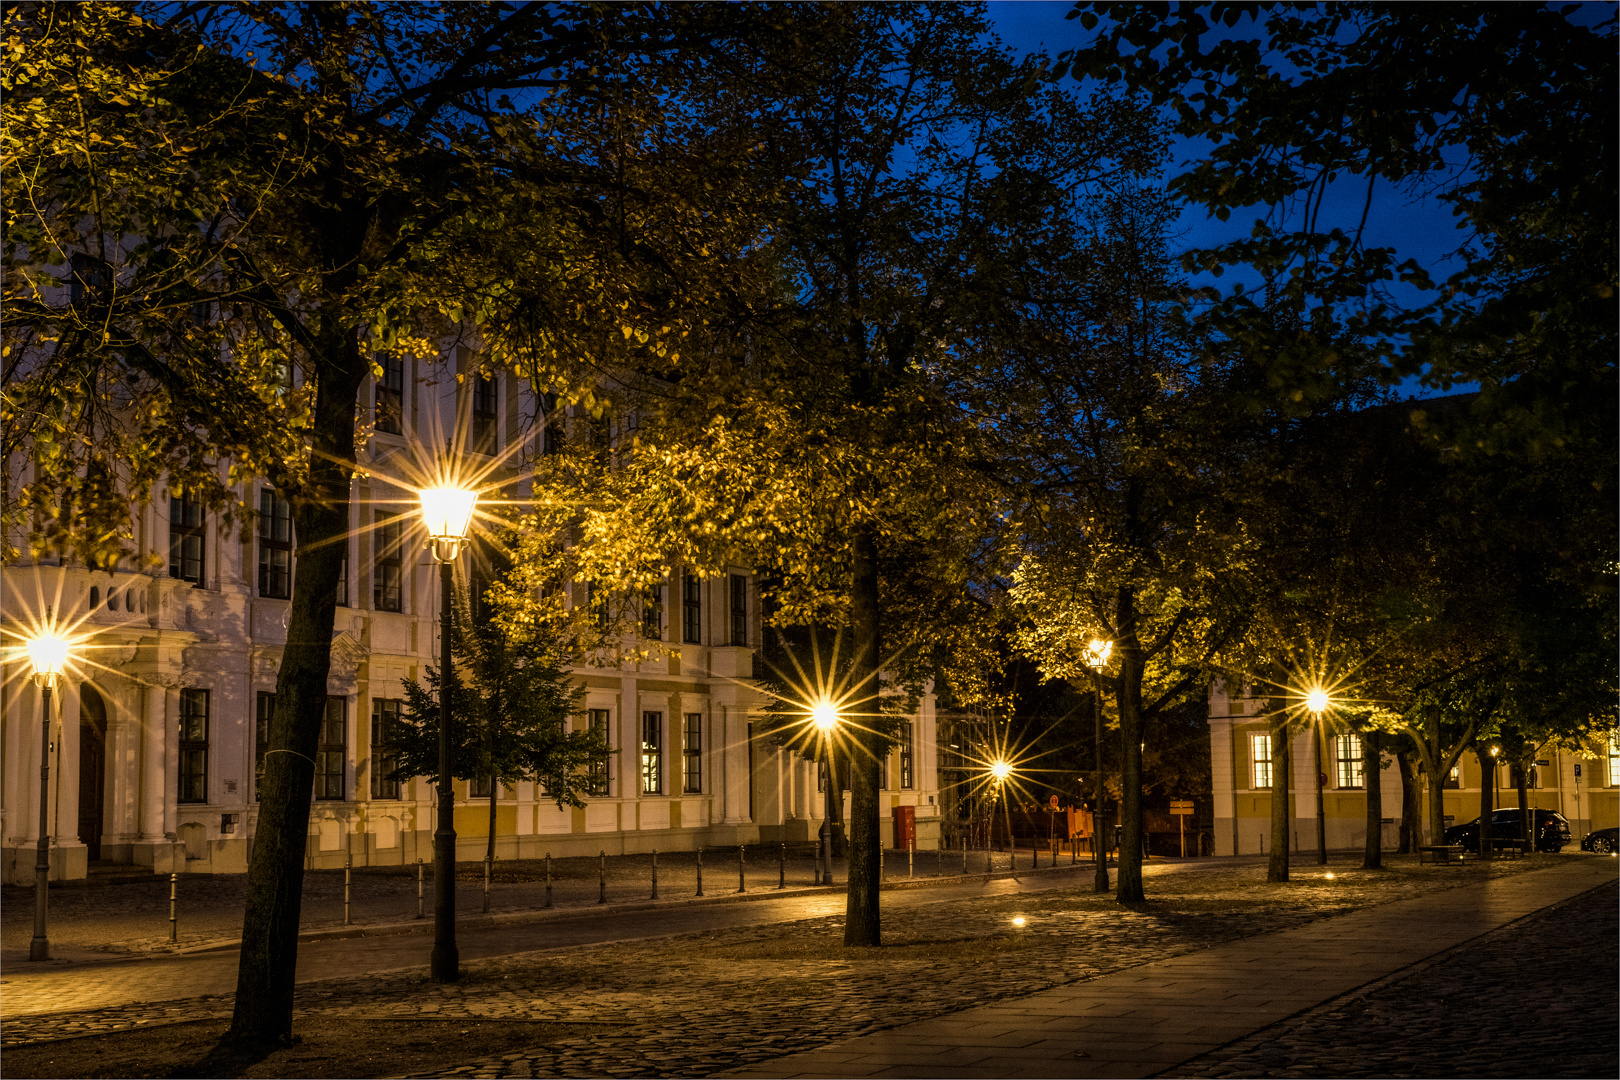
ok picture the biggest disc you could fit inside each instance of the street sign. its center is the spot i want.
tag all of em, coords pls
(1543, 762)
(1052, 802)
(1181, 807)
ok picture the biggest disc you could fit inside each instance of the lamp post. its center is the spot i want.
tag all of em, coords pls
(47, 654)
(446, 511)
(1317, 701)
(1097, 659)
(824, 715)
(999, 771)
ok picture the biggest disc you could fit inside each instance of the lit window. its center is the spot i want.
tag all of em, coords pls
(1453, 778)
(385, 740)
(599, 768)
(332, 752)
(1347, 753)
(275, 545)
(1260, 754)
(1614, 763)
(906, 756)
(692, 754)
(193, 746)
(185, 539)
(652, 753)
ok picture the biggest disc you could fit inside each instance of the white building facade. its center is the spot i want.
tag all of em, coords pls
(160, 719)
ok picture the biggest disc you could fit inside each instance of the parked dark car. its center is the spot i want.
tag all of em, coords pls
(1603, 841)
(1551, 828)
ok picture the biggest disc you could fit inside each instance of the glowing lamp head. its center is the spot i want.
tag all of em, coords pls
(47, 654)
(1495, 750)
(447, 512)
(1317, 701)
(824, 714)
(1097, 653)
(1000, 769)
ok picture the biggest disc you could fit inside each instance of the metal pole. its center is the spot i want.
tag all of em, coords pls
(655, 874)
(781, 868)
(1321, 819)
(601, 878)
(548, 879)
(700, 871)
(488, 866)
(40, 947)
(1099, 846)
(742, 884)
(911, 858)
(174, 926)
(827, 822)
(419, 909)
(446, 958)
(347, 866)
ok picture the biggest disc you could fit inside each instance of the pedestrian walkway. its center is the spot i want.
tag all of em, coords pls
(1146, 1020)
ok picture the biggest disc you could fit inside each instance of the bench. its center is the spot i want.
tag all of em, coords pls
(1440, 853)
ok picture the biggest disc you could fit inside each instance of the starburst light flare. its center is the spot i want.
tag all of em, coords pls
(1317, 700)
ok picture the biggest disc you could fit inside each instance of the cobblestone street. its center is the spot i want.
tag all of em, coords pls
(1536, 998)
(703, 1003)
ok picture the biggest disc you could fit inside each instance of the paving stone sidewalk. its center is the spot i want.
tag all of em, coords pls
(699, 1004)
(1539, 997)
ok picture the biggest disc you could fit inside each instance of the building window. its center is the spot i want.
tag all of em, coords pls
(549, 419)
(1347, 755)
(692, 754)
(193, 746)
(275, 545)
(332, 752)
(341, 593)
(596, 603)
(385, 740)
(185, 539)
(907, 757)
(261, 735)
(691, 609)
(1260, 754)
(386, 593)
(480, 787)
(652, 613)
(485, 401)
(1453, 778)
(652, 753)
(598, 719)
(739, 609)
(391, 396)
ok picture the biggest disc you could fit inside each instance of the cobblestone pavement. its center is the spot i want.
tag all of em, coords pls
(1535, 998)
(131, 917)
(702, 1003)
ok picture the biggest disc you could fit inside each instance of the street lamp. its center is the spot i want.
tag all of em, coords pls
(824, 715)
(1097, 660)
(1318, 701)
(47, 654)
(446, 511)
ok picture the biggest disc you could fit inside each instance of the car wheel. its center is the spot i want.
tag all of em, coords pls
(1603, 845)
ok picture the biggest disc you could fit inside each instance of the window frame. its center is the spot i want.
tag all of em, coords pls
(193, 746)
(183, 529)
(691, 608)
(1261, 763)
(385, 714)
(1348, 773)
(1612, 764)
(692, 753)
(737, 590)
(388, 564)
(652, 613)
(908, 756)
(275, 511)
(485, 415)
(263, 709)
(328, 751)
(652, 752)
(388, 414)
(601, 770)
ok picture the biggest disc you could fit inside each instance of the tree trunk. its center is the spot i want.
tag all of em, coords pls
(1487, 797)
(862, 917)
(489, 854)
(1372, 775)
(269, 955)
(1411, 803)
(1281, 766)
(1129, 700)
(1437, 778)
(1521, 780)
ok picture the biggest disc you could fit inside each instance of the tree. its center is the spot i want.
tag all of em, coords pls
(511, 697)
(835, 441)
(280, 165)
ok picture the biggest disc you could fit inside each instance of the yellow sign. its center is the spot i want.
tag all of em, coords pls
(1181, 807)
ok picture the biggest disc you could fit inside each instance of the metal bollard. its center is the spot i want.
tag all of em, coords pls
(419, 912)
(174, 930)
(700, 871)
(655, 874)
(601, 878)
(781, 868)
(911, 859)
(1074, 851)
(882, 872)
(488, 865)
(742, 884)
(347, 866)
(548, 879)
(964, 857)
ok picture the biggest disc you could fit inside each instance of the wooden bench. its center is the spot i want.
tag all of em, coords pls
(1440, 853)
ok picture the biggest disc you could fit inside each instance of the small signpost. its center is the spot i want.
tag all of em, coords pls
(1181, 808)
